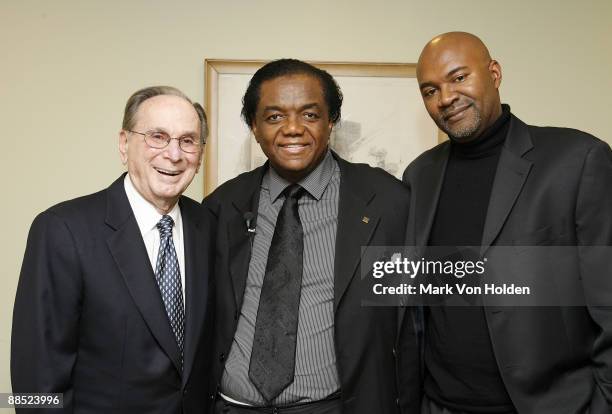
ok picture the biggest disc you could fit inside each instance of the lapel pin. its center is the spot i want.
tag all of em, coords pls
(365, 219)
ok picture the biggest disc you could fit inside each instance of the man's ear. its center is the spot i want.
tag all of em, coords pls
(203, 147)
(123, 146)
(331, 129)
(254, 131)
(496, 72)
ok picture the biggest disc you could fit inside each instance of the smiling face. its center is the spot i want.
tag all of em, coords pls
(292, 124)
(161, 175)
(459, 83)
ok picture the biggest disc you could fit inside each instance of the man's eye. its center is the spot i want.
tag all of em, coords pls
(158, 136)
(188, 140)
(460, 78)
(311, 115)
(428, 92)
(274, 117)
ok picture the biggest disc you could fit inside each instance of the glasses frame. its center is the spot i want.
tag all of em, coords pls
(179, 139)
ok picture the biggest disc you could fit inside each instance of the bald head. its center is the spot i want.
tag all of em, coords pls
(459, 83)
(454, 42)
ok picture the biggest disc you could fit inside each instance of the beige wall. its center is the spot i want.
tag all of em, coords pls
(68, 67)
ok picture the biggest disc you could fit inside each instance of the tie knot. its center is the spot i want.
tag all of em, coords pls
(165, 226)
(294, 191)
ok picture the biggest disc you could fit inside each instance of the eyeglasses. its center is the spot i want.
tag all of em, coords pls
(160, 140)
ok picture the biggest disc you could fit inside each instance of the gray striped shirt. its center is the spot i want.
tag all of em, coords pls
(316, 375)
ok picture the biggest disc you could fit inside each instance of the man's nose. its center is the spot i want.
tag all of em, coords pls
(448, 96)
(293, 126)
(173, 150)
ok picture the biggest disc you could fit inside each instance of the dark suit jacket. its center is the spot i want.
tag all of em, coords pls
(365, 337)
(89, 321)
(553, 186)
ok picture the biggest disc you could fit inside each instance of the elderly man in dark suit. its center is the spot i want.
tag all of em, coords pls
(499, 182)
(113, 302)
(291, 334)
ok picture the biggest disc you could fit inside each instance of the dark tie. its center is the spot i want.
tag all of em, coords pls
(272, 363)
(168, 275)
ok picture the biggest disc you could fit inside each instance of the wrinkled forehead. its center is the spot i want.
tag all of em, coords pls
(438, 59)
(167, 112)
(290, 88)
(301, 80)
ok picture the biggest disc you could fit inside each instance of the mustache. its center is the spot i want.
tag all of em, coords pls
(452, 110)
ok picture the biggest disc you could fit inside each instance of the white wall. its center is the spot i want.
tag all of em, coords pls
(68, 67)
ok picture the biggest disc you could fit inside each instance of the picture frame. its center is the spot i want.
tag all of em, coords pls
(384, 122)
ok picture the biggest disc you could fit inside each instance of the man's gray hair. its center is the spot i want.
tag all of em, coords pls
(134, 102)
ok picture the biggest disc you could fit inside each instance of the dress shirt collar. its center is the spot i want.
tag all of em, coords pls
(145, 213)
(314, 183)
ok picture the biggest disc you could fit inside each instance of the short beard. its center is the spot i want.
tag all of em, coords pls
(466, 131)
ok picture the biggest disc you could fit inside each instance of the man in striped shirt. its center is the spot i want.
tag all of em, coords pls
(304, 345)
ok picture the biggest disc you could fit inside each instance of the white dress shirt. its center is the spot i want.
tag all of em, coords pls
(147, 218)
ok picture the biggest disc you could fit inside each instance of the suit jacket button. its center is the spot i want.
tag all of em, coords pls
(212, 396)
(394, 353)
(222, 357)
(185, 391)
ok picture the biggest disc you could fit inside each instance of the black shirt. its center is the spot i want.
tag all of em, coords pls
(462, 373)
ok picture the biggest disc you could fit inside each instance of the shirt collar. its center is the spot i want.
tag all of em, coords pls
(314, 183)
(145, 213)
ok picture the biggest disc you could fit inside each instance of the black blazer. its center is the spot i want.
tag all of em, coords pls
(365, 337)
(89, 321)
(553, 186)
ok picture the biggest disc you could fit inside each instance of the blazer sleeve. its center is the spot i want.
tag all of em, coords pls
(46, 314)
(594, 233)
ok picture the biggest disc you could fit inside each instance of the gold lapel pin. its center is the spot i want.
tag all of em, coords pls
(365, 219)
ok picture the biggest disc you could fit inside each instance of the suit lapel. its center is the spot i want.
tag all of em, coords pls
(129, 252)
(239, 239)
(426, 190)
(512, 172)
(356, 225)
(196, 286)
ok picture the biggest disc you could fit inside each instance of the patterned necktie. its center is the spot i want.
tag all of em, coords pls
(272, 364)
(168, 276)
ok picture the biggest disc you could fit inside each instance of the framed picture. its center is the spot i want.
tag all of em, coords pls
(384, 122)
